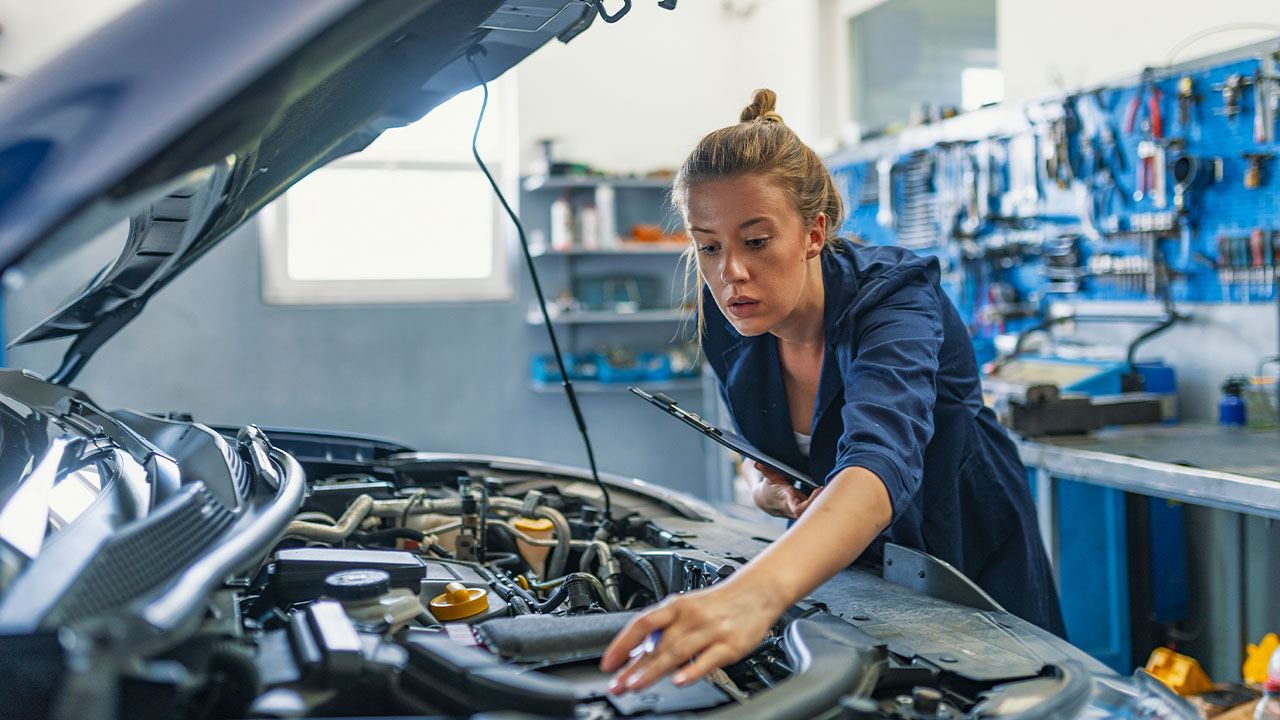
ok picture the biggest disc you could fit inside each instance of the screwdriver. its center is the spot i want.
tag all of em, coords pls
(1224, 261)
(1257, 239)
(1269, 259)
(1242, 261)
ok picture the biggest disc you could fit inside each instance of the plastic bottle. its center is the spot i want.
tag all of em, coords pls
(1269, 706)
(589, 227)
(368, 598)
(1231, 408)
(562, 224)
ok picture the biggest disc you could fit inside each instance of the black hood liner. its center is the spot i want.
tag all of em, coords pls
(217, 109)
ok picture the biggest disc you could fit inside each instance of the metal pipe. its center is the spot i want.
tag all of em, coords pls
(609, 568)
(560, 550)
(355, 514)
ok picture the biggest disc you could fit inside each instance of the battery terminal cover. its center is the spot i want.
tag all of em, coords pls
(458, 602)
(1182, 674)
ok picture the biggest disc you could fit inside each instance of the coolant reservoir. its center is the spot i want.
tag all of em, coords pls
(427, 522)
(539, 529)
(367, 597)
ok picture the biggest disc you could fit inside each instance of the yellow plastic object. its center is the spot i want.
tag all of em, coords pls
(1182, 674)
(1257, 657)
(458, 602)
(522, 582)
(538, 529)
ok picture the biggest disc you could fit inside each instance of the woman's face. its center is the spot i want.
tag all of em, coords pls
(753, 250)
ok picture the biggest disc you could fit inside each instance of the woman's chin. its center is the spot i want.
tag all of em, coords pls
(749, 327)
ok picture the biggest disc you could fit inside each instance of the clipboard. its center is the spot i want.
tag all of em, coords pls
(733, 441)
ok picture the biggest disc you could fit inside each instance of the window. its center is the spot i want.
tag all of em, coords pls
(906, 54)
(409, 219)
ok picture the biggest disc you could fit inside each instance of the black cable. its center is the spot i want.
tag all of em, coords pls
(645, 568)
(537, 286)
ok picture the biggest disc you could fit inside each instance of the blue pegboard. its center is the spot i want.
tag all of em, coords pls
(1025, 204)
(1105, 242)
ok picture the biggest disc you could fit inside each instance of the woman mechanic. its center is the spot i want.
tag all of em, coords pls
(847, 361)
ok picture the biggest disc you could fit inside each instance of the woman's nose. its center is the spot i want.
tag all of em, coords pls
(734, 270)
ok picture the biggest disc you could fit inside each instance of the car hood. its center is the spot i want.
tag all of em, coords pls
(187, 117)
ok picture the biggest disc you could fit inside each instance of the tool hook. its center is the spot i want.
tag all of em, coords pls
(599, 6)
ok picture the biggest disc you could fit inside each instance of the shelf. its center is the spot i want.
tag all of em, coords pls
(625, 248)
(587, 386)
(568, 182)
(605, 316)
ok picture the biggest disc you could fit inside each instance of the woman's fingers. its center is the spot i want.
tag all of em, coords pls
(634, 633)
(686, 640)
(769, 473)
(716, 656)
(802, 503)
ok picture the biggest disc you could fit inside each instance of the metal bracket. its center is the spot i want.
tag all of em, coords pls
(930, 576)
(599, 5)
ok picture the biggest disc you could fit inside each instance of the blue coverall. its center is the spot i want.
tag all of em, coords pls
(899, 395)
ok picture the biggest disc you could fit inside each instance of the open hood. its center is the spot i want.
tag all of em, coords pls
(188, 116)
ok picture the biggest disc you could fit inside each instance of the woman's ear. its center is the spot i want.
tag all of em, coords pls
(817, 236)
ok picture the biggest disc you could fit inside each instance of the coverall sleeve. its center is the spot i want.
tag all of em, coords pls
(889, 365)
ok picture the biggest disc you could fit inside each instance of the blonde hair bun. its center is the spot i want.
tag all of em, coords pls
(761, 108)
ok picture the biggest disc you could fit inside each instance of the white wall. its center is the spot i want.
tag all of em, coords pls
(1045, 45)
(636, 96)
(36, 30)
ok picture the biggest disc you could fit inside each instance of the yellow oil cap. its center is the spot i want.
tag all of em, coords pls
(528, 526)
(458, 602)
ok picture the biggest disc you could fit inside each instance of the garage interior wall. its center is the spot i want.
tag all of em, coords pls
(1046, 46)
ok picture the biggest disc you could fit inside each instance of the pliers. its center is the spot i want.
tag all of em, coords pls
(1152, 126)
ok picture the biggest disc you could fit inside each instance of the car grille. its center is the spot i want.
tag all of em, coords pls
(144, 557)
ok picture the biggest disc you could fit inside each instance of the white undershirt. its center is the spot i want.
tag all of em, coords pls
(803, 441)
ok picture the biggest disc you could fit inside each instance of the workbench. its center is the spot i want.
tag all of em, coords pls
(1228, 468)
(1233, 469)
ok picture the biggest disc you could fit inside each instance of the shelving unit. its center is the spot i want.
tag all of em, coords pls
(544, 182)
(597, 317)
(643, 274)
(629, 248)
(586, 386)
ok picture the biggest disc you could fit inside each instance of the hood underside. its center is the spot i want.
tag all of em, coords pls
(187, 117)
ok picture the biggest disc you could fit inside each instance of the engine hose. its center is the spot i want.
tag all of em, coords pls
(646, 568)
(518, 604)
(376, 536)
(508, 591)
(357, 511)
(609, 569)
(502, 560)
(452, 506)
(562, 593)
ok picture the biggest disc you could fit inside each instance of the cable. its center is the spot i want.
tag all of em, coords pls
(1198, 36)
(537, 287)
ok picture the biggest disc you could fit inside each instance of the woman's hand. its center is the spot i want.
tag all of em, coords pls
(714, 626)
(774, 494)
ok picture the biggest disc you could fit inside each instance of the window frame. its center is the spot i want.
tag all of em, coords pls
(279, 288)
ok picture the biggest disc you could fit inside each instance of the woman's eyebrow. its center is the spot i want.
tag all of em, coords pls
(741, 226)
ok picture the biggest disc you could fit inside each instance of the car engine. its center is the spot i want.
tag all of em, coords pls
(221, 573)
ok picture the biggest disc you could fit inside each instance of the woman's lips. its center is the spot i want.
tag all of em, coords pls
(743, 307)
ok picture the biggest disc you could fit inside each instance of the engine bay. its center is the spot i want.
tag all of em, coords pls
(285, 573)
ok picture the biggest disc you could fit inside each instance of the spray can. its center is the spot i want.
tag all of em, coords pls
(1268, 708)
(1231, 408)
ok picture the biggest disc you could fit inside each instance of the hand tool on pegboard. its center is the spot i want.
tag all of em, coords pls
(1150, 152)
(1231, 89)
(1187, 98)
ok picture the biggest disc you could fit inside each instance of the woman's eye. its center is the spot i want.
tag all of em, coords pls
(709, 249)
(757, 242)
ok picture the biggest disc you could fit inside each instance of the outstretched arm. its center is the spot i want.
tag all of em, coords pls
(719, 625)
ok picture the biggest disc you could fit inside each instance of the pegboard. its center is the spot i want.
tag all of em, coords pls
(1138, 190)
